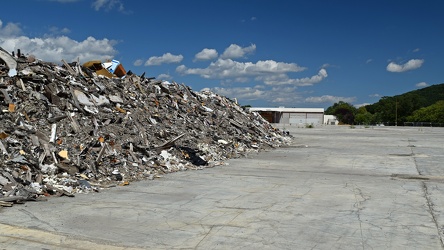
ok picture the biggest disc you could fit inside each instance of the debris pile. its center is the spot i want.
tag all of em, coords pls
(73, 128)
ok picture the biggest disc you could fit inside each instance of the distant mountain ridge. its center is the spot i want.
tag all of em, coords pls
(400, 108)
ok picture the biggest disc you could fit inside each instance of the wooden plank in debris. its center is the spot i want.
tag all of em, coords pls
(69, 68)
(168, 144)
(99, 85)
(57, 118)
(20, 81)
(75, 125)
(102, 150)
(6, 95)
(3, 149)
(10, 178)
(137, 83)
(6, 204)
(235, 123)
(131, 152)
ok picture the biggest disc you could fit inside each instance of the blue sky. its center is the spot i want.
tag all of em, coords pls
(263, 53)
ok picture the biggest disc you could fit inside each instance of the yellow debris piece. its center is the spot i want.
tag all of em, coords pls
(64, 154)
(11, 108)
(125, 183)
(3, 135)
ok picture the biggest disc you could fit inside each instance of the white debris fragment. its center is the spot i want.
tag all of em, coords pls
(222, 141)
(82, 98)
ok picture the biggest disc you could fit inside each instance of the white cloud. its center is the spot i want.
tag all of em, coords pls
(421, 84)
(410, 65)
(164, 77)
(165, 58)
(253, 18)
(286, 96)
(280, 96)
(108, 5)
(206, 54)
(361, 104)
(283, 79)
(138, 62)
(375, 95)
(56, 30)
(329, 99)
(10, 29)
(56, 48)
(227, 68)
(416, 50)
(369, 61)
(246, 93)
(236, 51)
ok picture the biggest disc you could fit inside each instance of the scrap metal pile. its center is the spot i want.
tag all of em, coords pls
(71, 128)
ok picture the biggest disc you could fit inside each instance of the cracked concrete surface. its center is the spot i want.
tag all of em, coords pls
(362, 188)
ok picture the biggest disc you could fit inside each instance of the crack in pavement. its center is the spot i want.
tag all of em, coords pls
(428, 200)
(220, 228)
(32, 216)
(359, 200)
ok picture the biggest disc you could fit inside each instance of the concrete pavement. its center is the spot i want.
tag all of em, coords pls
(333, 188)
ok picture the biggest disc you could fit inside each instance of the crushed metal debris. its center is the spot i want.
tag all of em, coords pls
(72, 128)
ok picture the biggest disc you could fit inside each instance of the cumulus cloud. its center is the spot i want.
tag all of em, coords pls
(286, 96)
(283, 79)
(206, 54)
(56, 30)
(246, 93)
(10, 29)
(227, 68)
(164, 77)
(329, 99)
(108, 5)
(236, 51)
(421, 84)
(57, 47)
(410, 65)
(165, 58)
(138, 62)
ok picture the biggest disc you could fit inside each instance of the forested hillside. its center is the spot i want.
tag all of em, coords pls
(423, 105)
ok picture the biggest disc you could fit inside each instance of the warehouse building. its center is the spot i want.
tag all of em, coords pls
(314, 116)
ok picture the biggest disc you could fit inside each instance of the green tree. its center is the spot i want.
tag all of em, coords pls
(344, 112)
(363, 116)
(433, 113)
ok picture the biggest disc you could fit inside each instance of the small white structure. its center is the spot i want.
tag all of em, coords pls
(314, 116)
(330, 120)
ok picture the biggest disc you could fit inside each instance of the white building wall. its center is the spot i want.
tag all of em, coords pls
(330, 120)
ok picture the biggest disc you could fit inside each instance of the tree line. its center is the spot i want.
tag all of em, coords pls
(423, 105)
